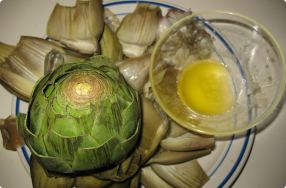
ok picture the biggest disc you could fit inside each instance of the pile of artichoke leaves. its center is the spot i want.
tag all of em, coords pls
(84, 40)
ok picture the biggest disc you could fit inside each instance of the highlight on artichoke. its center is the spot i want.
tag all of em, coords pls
(92, 120)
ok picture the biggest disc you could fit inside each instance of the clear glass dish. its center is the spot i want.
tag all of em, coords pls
(249, 53)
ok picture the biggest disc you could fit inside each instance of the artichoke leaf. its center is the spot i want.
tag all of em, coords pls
(126, 169)
(25, 65)
(187, 142)
(78, 27)
(42, 179)
(172, 157)
(184, 175)
(135, 71)
(16, 84)
(109, 45)
(29, 56)
(84, 158)
(123, 184)
(89, 181)
(151, 180)
(111, 19)
(176, 130)
(135, 181)
(5, 51)
(138, 30)
(155, 128)
(10, 136)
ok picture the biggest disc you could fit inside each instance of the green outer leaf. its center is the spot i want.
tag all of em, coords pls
(96, 158)
(38, 115)
(40, 179)
(110, 45)
(91, 182)
(43, 179)
(123, 171)
(21, 118)
(125, 145)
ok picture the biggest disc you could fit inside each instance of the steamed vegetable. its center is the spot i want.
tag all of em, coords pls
(82, 116)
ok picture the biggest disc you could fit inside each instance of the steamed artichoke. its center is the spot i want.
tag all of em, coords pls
(76, 122)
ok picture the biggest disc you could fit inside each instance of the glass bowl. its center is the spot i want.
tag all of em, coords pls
(246, 54)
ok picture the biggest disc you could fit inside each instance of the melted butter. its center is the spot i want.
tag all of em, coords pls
(205, 87)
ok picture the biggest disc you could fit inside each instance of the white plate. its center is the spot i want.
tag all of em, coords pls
(223, 165)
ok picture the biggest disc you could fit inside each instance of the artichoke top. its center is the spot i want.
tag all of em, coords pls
(82, 116)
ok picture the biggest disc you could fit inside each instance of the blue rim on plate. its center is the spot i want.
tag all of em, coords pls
(246, 142)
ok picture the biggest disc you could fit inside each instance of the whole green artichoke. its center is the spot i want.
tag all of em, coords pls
(82, 116)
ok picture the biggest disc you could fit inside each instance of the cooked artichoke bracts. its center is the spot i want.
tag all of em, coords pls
(138, 30)
(25, 64)
(79, 27)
